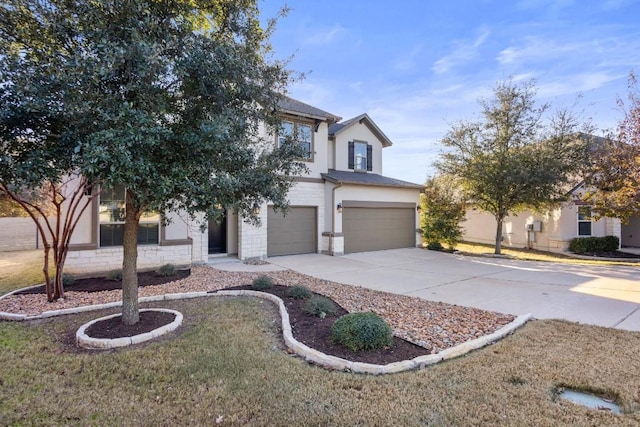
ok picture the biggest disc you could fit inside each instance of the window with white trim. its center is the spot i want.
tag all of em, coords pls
(300, 133)
(584, 220)
(112, 214)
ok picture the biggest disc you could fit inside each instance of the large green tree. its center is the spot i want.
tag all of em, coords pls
(442, 211)
(615, 178)
(170, 99)
(517, 155)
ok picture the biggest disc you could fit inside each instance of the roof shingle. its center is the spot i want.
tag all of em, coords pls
(371, 179)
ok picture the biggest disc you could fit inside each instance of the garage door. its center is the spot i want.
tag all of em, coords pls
(294, 233)
(378, 228)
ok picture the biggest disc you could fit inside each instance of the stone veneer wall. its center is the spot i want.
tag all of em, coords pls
(107, 259)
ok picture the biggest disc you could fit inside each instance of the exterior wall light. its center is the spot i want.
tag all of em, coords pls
(418, 208)
(339, 208)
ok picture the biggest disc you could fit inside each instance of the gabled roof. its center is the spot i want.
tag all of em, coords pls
(364, 118)
(298, 108)
(370, 179)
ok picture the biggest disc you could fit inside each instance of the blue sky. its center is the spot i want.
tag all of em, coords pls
(416, 66)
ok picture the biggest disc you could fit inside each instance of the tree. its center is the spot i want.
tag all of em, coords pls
(442, 211)
(510, 159)
(55, 207)
(615, 176)
(170, 99)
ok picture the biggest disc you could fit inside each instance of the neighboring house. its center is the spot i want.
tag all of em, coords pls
(550, 231)
(343, 204)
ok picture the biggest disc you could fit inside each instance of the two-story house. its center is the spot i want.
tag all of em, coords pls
(343, 204)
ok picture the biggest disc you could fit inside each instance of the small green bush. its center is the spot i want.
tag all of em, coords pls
(320, 306)
(362, 331)
(68, 279)
(261, 283)
(435, 246)
(166, 270)
(594, 245)
(115, 275)
(299, 292)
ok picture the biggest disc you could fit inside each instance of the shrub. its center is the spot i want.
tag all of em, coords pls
(166, 270)
(261, 283)
(435, 246)
(67, 279)
(115, 275)
(362, 331)
(320, 306)
(593, 245)
(299, 292)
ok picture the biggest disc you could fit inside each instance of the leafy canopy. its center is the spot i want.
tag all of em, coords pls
(512, 158)
(442, 211)
(616, 170)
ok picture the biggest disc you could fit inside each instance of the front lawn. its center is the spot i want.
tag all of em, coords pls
(227, 366)
(21, 268)
(534, 255)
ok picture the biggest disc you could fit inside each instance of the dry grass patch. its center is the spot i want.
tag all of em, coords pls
(227, 363)
(19, 269)
(534, 255)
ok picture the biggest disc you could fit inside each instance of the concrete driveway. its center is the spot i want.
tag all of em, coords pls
(604, 296)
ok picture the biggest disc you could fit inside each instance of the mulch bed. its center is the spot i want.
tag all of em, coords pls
(315, 332)
(114, 328)
(98, 284)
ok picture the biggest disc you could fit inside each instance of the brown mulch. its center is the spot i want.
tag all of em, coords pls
(315, 332)
(114, 328)
(99, 284)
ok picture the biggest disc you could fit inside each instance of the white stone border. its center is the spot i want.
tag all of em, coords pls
(340, 364)
(85, 341)
(299, 348)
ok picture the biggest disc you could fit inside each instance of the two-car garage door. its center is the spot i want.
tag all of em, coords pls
(380, 226)
(366, 226)
(294, 233)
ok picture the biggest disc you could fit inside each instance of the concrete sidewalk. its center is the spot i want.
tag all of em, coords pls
(604, 296)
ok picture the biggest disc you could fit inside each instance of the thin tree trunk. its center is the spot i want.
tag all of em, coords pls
(130, 308)
(498, 248)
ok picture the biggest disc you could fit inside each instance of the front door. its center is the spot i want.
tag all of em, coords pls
(218, 236)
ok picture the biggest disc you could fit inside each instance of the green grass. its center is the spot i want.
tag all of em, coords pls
(19, 269)
(227, 362)
(534, 255)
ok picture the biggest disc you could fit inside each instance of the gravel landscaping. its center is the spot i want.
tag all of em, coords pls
(433, 325)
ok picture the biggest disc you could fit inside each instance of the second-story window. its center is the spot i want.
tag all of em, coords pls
(299, 133)
(360, 156)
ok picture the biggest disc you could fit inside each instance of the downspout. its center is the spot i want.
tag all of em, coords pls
(333, 217)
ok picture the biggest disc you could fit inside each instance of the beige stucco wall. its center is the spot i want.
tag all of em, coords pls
(559, 226)
(357, 132)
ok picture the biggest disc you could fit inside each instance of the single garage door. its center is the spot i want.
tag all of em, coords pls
(378, 228)
(292, 234)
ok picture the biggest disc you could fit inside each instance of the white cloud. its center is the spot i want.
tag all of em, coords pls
(464, 52)
(408, 63)
(325, 37)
